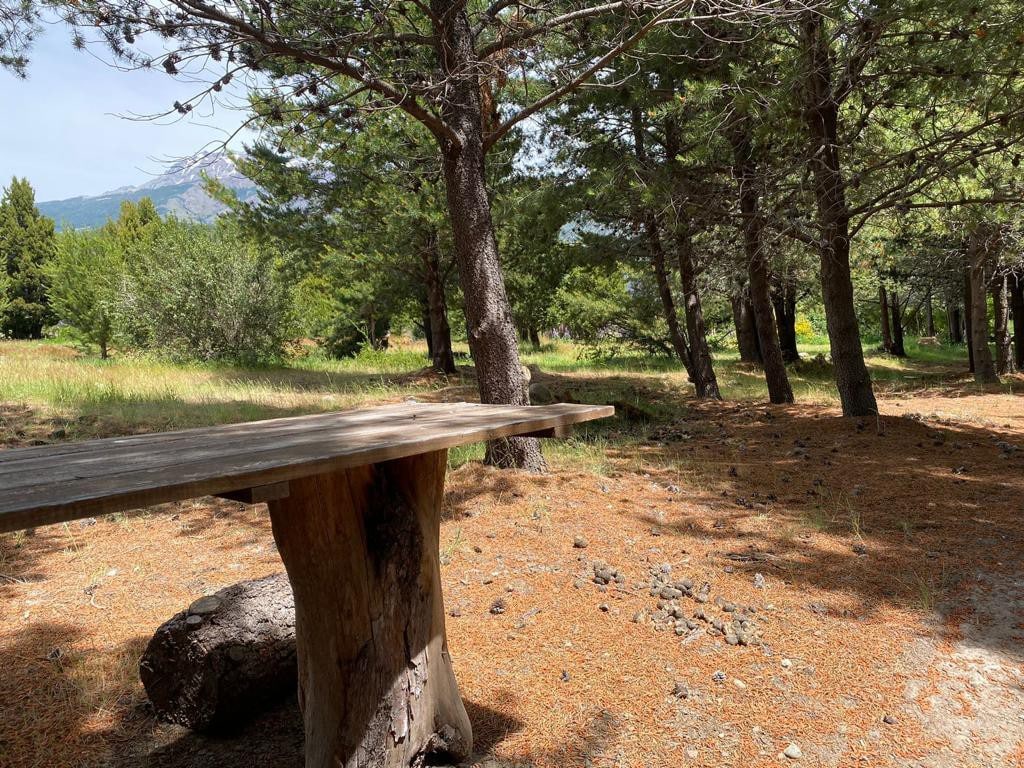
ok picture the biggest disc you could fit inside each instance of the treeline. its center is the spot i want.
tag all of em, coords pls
(186, 291)
(641, 173)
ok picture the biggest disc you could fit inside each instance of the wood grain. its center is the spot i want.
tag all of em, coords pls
(51, 484)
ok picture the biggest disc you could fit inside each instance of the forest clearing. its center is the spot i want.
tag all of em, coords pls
(879, 561)
(511, 384)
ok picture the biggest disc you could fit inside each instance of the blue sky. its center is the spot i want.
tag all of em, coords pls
(61, 130)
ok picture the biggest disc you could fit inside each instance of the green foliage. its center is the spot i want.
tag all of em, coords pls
(85, 278)
(199, 293)
(26, 244)
(607, 310)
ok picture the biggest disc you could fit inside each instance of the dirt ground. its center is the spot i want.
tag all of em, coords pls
(879, 564)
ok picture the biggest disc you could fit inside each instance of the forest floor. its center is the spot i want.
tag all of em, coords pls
(879, 562)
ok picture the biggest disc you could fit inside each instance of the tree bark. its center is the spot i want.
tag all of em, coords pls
(745, 171)
(224, 659)
(696, 328)
(492, 335)
(821, 112)
(899, 348)
(668, 304)
(534, 336)
(746, 328)
(1001, 310)
(954, 319)
(441, 356)
(969, 319)
(784, 302)
(376, 685)
(1016, 286)
(929, 315)
(883, 303)
(984, 369)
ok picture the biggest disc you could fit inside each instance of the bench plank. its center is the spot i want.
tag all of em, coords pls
(50, 484)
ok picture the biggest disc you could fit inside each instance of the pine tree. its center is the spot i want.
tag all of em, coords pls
(26, 243)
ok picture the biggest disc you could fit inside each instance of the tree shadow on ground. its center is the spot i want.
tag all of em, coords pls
(904, 515)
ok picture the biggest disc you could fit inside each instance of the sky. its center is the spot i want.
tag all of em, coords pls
(64, 128)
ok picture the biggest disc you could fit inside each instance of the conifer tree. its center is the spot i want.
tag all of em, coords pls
(26, 244)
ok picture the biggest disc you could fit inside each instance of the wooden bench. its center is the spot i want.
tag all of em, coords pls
(355, 501)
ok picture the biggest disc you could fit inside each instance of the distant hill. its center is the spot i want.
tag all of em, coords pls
(178, 191)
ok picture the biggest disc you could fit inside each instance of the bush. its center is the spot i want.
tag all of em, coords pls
(206, 293)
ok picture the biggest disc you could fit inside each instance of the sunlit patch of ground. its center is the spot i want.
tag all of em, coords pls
(892, 553)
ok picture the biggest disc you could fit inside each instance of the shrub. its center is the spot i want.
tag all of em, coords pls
(206, 293)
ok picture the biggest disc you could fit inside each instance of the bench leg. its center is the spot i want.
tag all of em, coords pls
(360, 546)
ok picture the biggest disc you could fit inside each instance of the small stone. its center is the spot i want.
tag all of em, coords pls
(565, 676)
(681, 690)
(455, 612)
(729, 569)
(719, 676)
(192, 621)
(759, 581)
(732, 639)
(793, 752)
(889, 720)
(498, 606)
(739, 684)
(204, 605)
(580, 543)
(478, 549)
(671, 593)
(786, 663)
(691, 753)
(603, 607)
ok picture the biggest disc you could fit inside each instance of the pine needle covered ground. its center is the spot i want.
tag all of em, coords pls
(880, 564)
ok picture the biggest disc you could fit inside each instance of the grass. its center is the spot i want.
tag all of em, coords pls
(84, 396)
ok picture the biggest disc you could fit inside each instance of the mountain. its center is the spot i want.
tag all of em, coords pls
(178, 191)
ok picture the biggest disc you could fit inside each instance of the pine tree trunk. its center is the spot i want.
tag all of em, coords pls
(969, 319)
(746, 329)
(883, 304)
(929, 315)
(822, 115)
(668, 304)
(1016, 286)
(1001, 309)
(376, 685)
(441, 355)
(954, 318)
(899, 348)
(984, 369)
(534, 335)
(784, 301)
(745, 171)
(695, 326)
(492, 335)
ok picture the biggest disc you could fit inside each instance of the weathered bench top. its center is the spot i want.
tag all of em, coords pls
(57, 483)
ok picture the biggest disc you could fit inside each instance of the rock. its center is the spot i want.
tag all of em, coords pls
(786, 663)
(719, 676)
(671, 593)
(793, 751)
(739, 684)
(691, 753)
(580, 543)
(603, 607)
(681, 690)
(759, 581)
(889, 720)
(498, 606)
(204, 605)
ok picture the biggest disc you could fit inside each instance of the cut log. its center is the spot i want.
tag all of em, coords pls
(376, 685)
(224, 659)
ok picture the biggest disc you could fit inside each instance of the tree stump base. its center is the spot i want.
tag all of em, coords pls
(376, 686)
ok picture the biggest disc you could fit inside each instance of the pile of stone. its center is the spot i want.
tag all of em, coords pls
(735, 624)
